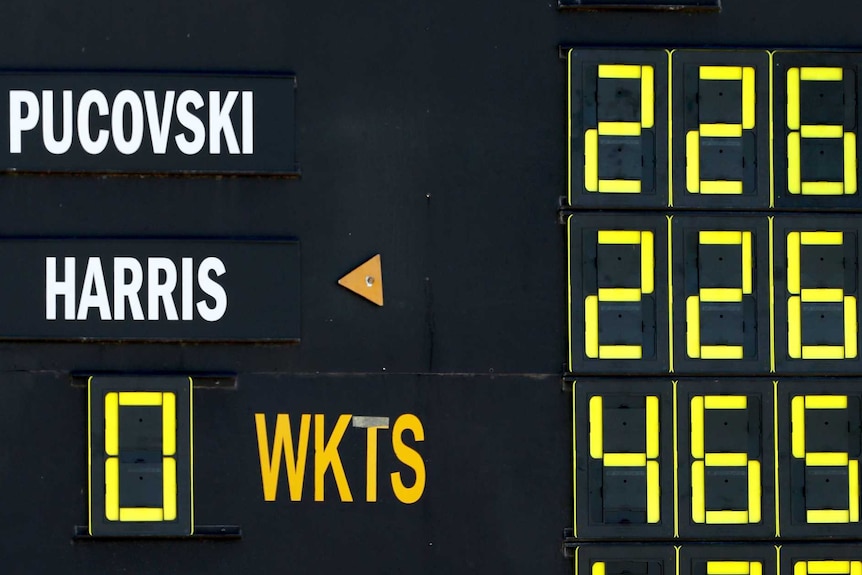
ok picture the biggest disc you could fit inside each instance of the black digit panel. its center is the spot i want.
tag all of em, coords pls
(819, 446)
(815, 125)
(624, 445)
(618, 128)
(721, 294)
(625, 560)
(816, 294)
(727, 559)
(618, 302)
(821, 559)
(720, 129)
(726, 459)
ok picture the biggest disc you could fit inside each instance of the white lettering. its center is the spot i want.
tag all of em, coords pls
(212, 289)
(220, 122)
(55, 288)
(19, 122)
(248, 122)
(53, 145)
(188, 289)
(118, 132)
(190, 122)
(156, 290)
(124, 291)
(90, 145)
(159, 129)
(94, 293)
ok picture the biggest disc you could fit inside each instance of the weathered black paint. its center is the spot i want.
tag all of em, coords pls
(433, 133)
(252, 314)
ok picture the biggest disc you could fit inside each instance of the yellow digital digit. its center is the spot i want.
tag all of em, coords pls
(799, 132)
(827, 568)
(694, 348)
(695, 184)
(704, 459)
(592, 136)
(800, 406)
(593, 348)
(166, 403)
(800, 296)
(647, 459)
(734, 568)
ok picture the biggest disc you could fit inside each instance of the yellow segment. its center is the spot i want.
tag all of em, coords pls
(721, 187)
(620, 237)
(721, 73)
(812, 295)
(112, 424)
(825, 402)
(727, 518)
(719, 238)
(822, 352)
(821, 238)
(793, 262)
(112, 489)
(853, 479)
(169, 488)
(591, 160)
(794, 327)
(624, 459)
(826, 459)
(653, 492)
(620, 352)
(619, 294)
(856, 568)
(721, 294)
(721, 130)
(619, 128)
(725, 402)
(823, 188)
(727, 567)
(596, 427)
(754, 492)
(721, 352)
(850, 327)
(619, 71)
(619, 186)
(697, 405)
(748, 98)
(800, 568)
(647, 262)
(756, 567)
(598, 568)
(692, 321)
(794, 163)
(591, 326)
(140, 514)
(822, 131)
(652, 427)
(726, 459)
(828, 567)
(827, 516)
(169, 424)
(793, 99)
(692, 162)
(810, 74)
(140, 398)
(850, 163)
(797, 425)
(647, 97)
(698, 492)
(746, 263)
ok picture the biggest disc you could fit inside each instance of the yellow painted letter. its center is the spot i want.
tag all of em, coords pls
(282, 442)
(409, 457)
(326, 456)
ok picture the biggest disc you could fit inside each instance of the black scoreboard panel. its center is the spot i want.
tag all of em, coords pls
(620, 257)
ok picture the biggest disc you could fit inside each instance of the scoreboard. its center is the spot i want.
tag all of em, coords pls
(431, 288)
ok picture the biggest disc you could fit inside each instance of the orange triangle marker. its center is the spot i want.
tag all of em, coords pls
(366, 280)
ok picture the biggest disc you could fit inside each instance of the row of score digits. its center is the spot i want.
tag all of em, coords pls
(699, 459)
(720, 294)
(712, 129)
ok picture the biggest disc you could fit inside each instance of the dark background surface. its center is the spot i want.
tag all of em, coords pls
(432, 133)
